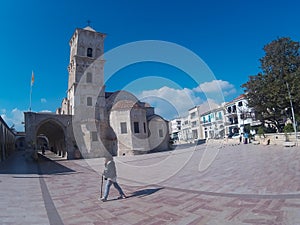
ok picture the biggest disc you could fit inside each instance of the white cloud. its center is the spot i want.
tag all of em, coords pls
(216, 86)
(170, 102)
(209, 104)
(43, 100)
(15, 117)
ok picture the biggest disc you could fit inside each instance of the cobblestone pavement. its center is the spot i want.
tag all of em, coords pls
(244, 185)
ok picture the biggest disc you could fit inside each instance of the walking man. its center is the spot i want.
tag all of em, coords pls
(110, 175)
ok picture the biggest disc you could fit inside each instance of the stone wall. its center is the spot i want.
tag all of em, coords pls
(277, 138)
(7, 140)
(267, 139)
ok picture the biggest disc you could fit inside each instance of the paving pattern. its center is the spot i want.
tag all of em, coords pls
(244, 185)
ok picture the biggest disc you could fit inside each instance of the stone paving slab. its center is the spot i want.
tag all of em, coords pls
(244, 185)
(21, 200)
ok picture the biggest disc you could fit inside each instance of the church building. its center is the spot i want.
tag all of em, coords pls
(92, 122)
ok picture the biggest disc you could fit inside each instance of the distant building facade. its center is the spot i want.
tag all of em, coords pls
(175, 128)
(185, 133)
(213, 123)
(238, 115)
(194, 118)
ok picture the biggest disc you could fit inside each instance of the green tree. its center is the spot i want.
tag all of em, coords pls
(261, 131)
(267, 92)
(288, 128)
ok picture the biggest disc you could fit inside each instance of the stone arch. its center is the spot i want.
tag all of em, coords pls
(55, 133)
(20, 143)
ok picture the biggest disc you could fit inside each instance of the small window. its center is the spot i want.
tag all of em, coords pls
(220, 115)
(145, 131)
(89, 52)
(240, 104)
(234, 109)
(136, 127)
(94, 136)
(161, 133)
(193, 115)
(89, 78)
(123, 127)
(89, 101)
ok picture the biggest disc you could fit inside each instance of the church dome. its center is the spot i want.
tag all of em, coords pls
(125, 105)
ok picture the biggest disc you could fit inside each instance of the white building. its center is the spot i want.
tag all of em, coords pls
(175, 128)
(194, 118)
(238, 115)
(213, 124)
(185, 134)
(212, 121)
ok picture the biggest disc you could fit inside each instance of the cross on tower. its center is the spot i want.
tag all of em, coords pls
(88, 22)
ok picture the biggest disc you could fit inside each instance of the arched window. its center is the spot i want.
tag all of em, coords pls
(136, 127)
(123, 127)
(161, 133)
(89, 101)
(89, 78)
(89, 52)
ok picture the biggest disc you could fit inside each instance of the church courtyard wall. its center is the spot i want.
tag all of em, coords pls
(7, 140)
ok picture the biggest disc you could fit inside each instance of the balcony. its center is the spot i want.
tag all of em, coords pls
(231, 123)
(231, 113)
(205, 123)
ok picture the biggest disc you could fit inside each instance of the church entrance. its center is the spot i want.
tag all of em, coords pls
(50, 136)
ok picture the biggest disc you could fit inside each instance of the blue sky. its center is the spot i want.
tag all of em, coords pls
(227, 35)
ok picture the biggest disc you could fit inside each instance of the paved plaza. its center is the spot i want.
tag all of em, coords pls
(206, 185)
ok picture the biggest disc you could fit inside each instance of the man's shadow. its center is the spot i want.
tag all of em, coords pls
(144, 192)
(140, 193)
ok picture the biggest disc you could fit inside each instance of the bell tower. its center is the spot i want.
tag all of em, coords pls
(86, 91)
(86, 66)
